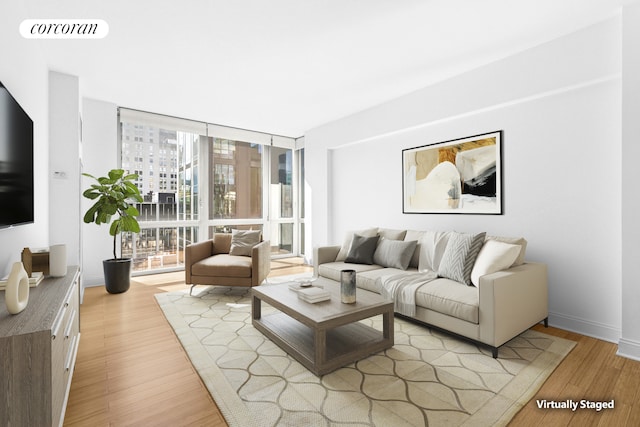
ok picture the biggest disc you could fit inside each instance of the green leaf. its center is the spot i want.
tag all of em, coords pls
(129, 224)
(110, 209)
(115, 227)
(90, 214)
(132, 211)
(116, 174)
(91, 194)
(103, 218)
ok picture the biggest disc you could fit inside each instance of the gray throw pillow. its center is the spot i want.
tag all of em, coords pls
(460, 256)
(362, 249)
(346, 244)
(394, 253)
(243, 241)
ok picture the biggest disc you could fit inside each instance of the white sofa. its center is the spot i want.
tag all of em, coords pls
(478, 287)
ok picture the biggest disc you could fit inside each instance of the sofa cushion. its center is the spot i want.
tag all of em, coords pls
(362, 249)
(331, 270)
(243, 241)
(494, 256)
(369, 280)
(394, 253)
(450, 297)
(223, 265)
(514, 241)
(460, 255)
(346, 244)
(432, 248)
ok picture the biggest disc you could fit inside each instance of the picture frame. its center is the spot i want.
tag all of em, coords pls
(459, 176)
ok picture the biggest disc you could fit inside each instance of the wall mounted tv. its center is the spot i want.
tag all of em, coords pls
(16, 162)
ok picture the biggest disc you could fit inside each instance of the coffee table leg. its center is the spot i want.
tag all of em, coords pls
(387, 326)
(320, 342)
(256, 307)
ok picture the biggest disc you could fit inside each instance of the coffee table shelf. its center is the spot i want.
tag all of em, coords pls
(327, 335)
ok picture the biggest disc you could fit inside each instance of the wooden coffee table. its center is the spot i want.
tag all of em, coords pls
(327, 335)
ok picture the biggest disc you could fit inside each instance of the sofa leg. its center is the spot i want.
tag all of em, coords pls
(494, 352)
(191, 290)
(546, 322)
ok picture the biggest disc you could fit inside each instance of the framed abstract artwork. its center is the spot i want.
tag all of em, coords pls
(461, 176)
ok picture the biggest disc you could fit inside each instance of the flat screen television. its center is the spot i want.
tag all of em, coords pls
(16, 162)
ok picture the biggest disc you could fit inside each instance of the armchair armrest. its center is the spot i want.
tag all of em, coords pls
(194, 253)
(512, 301)
(323, 255)
(260, 262)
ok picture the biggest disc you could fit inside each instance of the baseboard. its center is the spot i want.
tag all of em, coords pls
(585, 327)
(91, 281)
(629, 349)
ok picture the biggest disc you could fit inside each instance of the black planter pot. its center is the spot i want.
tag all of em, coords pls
(117, 274)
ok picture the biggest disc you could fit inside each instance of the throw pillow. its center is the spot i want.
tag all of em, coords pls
(417, 236)
(432, 247)
(394, 253)
(460, 255)
(243, 241)
(362, 249)
(346, 244)
(389, 233)
(494, 256)
(513, 241)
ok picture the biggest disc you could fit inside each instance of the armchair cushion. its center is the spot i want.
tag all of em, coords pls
(242, 241)
(223, 265)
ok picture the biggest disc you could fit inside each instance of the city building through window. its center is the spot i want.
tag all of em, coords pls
(198, 179)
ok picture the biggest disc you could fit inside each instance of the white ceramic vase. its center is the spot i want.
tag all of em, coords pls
(58, 260)
(16, 294)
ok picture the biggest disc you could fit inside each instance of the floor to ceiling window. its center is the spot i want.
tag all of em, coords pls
(301, 194)
(281, 200)
(198, 179)
(235, 185)
(165, 153)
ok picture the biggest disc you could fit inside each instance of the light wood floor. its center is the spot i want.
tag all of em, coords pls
(132, 370)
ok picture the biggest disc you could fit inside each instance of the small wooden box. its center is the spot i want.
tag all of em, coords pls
(35, 261)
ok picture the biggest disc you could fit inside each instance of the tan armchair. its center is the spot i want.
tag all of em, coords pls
(209, 263)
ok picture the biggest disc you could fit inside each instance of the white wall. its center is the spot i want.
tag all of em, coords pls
(64, 163)
(24, 72)
(99, 155)
(630, 341)
(560, 108)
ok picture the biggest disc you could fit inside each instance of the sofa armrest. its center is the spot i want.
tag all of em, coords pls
(193, 253)
(323, 255)
(260, 262)
(512, 301)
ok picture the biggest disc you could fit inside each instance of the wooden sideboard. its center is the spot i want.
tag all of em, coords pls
(38, 349)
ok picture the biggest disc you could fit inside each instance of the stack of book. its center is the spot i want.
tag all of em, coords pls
(313, 295)
(34, 280)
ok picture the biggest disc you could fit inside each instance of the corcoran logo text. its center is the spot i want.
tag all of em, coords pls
(64, 28)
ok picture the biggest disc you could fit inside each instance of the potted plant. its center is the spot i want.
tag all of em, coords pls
(115, 195)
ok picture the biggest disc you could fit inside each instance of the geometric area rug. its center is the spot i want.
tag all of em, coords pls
(427, 378)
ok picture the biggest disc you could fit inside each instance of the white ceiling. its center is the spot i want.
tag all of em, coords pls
(286, 66)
